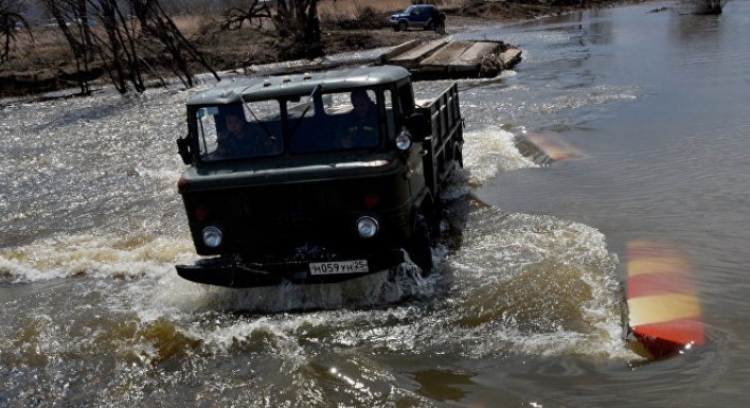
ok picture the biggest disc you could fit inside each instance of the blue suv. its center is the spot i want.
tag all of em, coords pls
(424, 16)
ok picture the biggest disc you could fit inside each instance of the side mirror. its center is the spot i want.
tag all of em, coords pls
(183, 148)
(419, 126)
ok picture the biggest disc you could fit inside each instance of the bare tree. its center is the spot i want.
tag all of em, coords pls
(295, 23)
(708, 7)
(299, 21)
(71, 17)
(121, 57)
(173, 7)
(11, 21)
(157, 24)
(255, 13)
(133, 32)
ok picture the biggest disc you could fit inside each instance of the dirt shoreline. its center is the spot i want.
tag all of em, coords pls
(53, 73)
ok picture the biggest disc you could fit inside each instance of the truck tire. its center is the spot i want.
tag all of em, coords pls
(420, 248)
(459, 157)
(402, 26)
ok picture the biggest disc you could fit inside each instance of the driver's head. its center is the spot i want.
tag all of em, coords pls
(234, 119)
(234, 124)
(361, 102)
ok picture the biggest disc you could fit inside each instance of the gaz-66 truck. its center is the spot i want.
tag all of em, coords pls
(315, 178)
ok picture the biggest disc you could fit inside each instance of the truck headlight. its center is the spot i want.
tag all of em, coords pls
(403, 141)
(367, 226)
(212, 236)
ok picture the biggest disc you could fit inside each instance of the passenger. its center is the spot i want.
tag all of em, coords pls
(360, 127)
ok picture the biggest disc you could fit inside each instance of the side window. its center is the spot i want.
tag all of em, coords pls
(208, 130)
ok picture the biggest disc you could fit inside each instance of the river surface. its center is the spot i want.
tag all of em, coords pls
(527, 305)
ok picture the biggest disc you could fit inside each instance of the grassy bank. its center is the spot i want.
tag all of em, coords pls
(41, 59)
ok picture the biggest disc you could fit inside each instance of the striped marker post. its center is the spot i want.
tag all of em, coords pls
(664, 309)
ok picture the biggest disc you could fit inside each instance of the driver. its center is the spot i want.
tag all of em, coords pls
(241, 139)
(360, 127)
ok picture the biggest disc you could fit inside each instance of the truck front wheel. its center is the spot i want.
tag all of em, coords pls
(459, 157)
(420, 248)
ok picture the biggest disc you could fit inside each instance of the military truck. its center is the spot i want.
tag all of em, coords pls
(315, 177)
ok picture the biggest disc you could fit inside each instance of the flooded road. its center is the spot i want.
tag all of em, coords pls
(525, 310)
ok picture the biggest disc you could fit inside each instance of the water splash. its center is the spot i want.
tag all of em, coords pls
(492, 151)
(538, 285)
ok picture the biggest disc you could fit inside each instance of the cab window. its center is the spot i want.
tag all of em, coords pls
(239, 131)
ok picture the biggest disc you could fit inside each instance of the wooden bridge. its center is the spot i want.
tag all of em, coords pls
(454, 58)
(429, 60)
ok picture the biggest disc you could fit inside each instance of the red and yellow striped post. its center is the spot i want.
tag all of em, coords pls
(664, 309)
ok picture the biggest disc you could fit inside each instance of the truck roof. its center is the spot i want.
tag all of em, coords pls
(260, 88)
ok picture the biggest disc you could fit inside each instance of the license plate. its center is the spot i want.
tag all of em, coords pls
(334, 268)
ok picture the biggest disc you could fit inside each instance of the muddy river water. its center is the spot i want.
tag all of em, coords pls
(526, 309)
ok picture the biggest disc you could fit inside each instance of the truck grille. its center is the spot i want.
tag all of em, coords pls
(284, 210)
(267, 218)
(281, 199)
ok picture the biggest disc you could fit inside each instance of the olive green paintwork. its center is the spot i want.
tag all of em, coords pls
(279, 214)
(262, 88)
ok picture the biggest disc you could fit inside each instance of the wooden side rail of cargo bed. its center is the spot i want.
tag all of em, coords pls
(446, 127)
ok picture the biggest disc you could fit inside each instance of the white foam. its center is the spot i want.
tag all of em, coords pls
(106, 256)
(492, 151)
(539, 285)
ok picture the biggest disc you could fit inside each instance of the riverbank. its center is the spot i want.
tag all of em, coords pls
(46, 65)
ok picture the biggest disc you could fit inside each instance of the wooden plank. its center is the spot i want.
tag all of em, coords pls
(510, 57)
(446, 55)
(398, 50)
(476, 52)
(412, 57)
(461, 56)
(468, 58)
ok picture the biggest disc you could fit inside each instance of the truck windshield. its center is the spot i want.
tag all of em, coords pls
(338, 121)
(321, 122)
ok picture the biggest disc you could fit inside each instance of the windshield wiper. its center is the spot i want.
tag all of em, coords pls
(257, 121)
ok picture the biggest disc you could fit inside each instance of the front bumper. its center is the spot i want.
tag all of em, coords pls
(234, 272)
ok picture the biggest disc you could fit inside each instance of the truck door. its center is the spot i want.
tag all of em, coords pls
(397, 110)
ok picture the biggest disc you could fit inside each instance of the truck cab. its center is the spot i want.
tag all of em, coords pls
(313, 178)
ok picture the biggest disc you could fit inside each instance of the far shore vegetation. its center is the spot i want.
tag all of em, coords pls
(132, 44)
